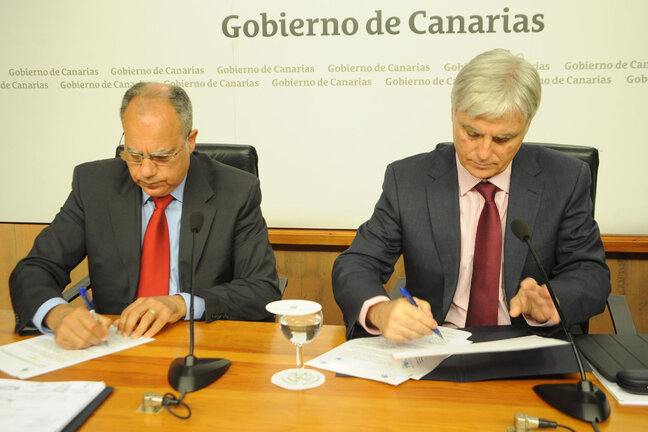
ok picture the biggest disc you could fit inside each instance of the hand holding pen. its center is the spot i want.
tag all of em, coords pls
(398, 321)
(409, 297)
(83, 292)
(73, 328)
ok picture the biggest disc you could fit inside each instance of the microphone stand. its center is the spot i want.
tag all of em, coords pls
(582, 400)
(190, 373)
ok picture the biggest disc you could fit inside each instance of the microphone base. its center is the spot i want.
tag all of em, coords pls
(190, 373)
(582, 400)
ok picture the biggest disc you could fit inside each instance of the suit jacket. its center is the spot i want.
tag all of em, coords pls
(418, 215)
(235, 265)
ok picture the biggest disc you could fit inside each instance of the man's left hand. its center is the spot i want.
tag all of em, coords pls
(146, 316)
(534, 301)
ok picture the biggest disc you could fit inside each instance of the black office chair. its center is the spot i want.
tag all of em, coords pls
(240, 156)
(588, 155)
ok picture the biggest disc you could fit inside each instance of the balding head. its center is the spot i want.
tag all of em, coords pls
(176, 96)
(152, 117)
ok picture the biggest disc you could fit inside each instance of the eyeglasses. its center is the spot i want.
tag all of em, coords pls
(135, 158)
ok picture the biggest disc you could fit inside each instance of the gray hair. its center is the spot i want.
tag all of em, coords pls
(174, 94)
(497, 83)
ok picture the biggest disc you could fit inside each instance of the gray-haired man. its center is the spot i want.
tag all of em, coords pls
(463, 273)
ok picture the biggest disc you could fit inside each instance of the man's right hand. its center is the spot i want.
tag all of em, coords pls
(75, 328)
(399, 320)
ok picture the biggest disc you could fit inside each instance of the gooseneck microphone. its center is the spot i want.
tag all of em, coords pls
(195, 223)
(190, 373)
(582, 400)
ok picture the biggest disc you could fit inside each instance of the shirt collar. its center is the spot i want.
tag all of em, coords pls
(177, 193)
(467, 181)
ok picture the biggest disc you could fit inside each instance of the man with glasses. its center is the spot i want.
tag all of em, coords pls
(131, 218)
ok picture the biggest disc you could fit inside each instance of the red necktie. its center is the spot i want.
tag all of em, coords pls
(154, 270)
(484, 288)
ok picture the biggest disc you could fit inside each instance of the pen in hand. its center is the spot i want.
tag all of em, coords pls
(409, 297)
(83, 292)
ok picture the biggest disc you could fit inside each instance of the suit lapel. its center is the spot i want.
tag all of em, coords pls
(197, 193)
(524, 203)
(443, 205)
(126, 220)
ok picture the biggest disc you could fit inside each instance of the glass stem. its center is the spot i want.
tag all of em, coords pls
(300, 358)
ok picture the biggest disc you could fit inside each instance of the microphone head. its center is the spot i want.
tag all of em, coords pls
(196, 221)
(521, 230)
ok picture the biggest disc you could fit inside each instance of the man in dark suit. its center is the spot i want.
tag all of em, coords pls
(431, 208)
(107, 215)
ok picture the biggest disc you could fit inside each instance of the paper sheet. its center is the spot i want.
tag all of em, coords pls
(29, 406)
(513, 344)
(373, 357)
(31, 357)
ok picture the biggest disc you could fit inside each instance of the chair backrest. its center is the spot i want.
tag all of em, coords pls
(239, 156)
(589, 155)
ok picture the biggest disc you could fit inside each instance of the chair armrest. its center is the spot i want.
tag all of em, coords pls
(395, 291)
(73, 292)
(620, 314)
(282, 285)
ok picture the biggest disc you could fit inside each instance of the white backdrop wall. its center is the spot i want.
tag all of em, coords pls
(326, 109)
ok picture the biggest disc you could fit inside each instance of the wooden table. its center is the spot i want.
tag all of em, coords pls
(244, 399)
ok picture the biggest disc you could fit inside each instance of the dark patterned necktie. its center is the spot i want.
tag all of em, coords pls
(484, 287)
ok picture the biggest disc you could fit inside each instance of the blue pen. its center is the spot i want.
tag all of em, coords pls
(83, 292)
(409, 297)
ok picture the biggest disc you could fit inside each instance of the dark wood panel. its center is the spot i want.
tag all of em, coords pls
(291, 236)
(629, 277)
(308, 268)
(624, 243)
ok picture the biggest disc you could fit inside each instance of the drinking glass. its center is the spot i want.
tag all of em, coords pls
(300, 322)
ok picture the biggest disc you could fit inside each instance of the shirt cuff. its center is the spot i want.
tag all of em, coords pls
(42, 311)
(199, 305)
(362, 318)
(535, 323)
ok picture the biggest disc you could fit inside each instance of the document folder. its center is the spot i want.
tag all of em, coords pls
(502, 365)
(77, 421)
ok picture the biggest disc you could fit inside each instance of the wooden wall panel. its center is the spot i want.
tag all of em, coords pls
(17, 241)
(25, 235)
(628, 277)
(309, 276)
(7, 261)
(308, 269)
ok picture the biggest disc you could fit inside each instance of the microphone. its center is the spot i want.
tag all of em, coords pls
(195, 223)
(190, 373)
(582, 400)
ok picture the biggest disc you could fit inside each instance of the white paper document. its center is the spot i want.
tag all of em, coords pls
(38, 355)
(29, 406)
(373, 357)
(513, 344)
